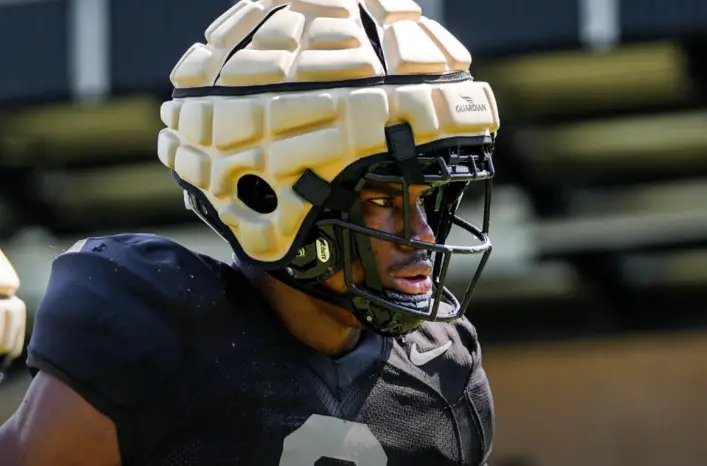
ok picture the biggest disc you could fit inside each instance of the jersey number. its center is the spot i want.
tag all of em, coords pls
(330, 437)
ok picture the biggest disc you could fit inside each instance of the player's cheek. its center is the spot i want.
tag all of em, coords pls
(383, 220)
(358, 273)
(380, 219)
(382, 251)
(337, 282)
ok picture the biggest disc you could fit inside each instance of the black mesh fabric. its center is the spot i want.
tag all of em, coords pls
(258, 388)
(195, 370)
(248, 425)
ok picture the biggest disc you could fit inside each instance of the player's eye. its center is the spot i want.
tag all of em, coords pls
(382, 201)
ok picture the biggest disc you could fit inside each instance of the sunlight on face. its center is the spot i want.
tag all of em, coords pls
(401, 268)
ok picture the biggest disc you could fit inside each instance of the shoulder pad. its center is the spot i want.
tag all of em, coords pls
(9, 281)
(118, 317)
(13, 313)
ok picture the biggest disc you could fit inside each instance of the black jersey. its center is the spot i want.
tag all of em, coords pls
(195, 370)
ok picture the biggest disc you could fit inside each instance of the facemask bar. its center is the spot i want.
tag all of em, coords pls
(444, 163)
(442, 168)
(443, 255)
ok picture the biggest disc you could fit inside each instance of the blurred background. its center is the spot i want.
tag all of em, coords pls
(593, 309)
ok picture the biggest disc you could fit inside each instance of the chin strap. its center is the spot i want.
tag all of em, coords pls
(325, 195)
(364, 251)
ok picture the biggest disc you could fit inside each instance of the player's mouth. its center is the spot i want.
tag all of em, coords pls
(413, 278)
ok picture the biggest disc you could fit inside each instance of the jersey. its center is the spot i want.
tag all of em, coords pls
(183, 354)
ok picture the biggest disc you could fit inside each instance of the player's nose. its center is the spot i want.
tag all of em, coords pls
(420, 230)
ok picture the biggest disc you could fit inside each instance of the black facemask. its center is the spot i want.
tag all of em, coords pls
(334, 235)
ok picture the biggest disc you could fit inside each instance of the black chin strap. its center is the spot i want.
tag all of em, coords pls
(364, 251)
(324, 195)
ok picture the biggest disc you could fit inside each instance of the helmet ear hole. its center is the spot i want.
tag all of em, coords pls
(257, 194)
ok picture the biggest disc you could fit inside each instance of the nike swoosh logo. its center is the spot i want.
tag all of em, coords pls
(420, 359)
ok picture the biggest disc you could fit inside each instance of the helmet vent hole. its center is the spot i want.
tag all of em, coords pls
(257, 194)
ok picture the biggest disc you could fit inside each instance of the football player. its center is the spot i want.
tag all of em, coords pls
(13, 316)
(329, 142)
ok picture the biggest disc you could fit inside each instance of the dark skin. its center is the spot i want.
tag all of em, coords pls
(330, 329)
(53, 419)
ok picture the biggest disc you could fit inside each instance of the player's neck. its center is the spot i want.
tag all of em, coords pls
(320, 325)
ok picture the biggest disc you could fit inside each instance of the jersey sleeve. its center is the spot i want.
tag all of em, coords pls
(115, 319)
